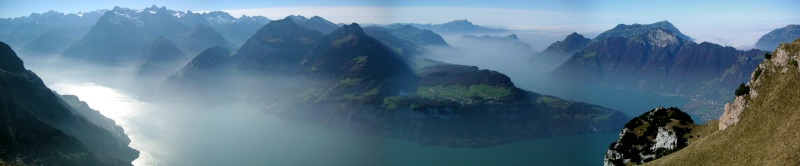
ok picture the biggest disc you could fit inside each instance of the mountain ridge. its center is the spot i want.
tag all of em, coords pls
(653, 59)
(777, 36)
(44, 129)
(363, 85)
(455, 26)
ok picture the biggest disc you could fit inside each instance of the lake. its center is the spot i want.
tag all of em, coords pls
(236, 134)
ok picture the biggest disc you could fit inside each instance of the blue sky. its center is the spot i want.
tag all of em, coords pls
(707, 20)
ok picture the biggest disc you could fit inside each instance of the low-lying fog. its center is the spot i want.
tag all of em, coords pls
(516, 63)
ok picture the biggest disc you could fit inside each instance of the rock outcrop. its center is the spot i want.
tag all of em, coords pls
(760, 126)
(784, 58)
(732, 112)
(652, 135)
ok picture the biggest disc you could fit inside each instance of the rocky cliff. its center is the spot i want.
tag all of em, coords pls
(758, 127)
(652, 135)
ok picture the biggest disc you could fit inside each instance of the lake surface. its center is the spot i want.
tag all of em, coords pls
(235, 134)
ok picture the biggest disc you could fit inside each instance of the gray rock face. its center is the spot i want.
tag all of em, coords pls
(732, 112)
(652, 135)
(785, 58)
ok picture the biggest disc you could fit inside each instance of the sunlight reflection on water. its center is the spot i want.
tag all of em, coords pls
(114, 104)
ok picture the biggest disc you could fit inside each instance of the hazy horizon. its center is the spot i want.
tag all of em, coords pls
(737, 24)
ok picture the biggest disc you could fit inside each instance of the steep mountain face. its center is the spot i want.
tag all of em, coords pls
(357, 66)
(337, 62)
(775, 37)
(202, 37)
(406, 40)
(757, 126)
(456, 26)
(43, 129)
(315, 23)
(278, 48)
(560, 51)
(120, 34)
(207, 74)
(161, 58)
(238, 32)
(31, 27)
(53, 41)
(652, 135)
(350, 80)
(112, 40)
(658, 60)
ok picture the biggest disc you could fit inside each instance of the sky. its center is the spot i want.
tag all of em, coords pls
(732, 23)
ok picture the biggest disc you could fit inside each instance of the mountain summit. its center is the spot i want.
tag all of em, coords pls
(658, 58)
(9, 61)
(560, 51)
(628, 31)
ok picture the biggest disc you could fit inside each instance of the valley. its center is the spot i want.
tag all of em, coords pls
(161, 86)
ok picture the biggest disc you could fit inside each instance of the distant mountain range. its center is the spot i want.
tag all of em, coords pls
(119, 36)
(781, 35)
(406, 40)
(18, 32)
(43, 128)
(351, 80)
(100, 36)
(511, 40)
(457, 26)
(657, 58)
(315, 23)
